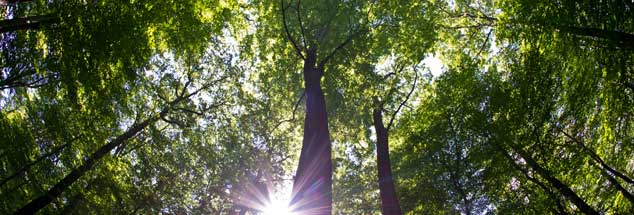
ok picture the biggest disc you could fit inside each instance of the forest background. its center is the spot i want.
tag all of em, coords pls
(201, 107)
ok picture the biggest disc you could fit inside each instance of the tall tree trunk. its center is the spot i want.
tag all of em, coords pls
(563, 189)
(607, 168)
(620, 188)
(9, 2)
(551, 194)
(54, 192)
(599, 160)
(27, 23)
(455, 180)
(40, 202)
(387, 192)
(619, 38)
(312, 188)
(29, 165)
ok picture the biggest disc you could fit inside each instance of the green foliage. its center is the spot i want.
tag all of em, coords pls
(550, 81)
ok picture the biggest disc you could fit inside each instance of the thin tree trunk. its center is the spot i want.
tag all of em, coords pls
(598, 158)
(40, 202)
(619, 38)
(387, 192)
(10, 2)
(606, 167)
(312, 187)
(27, 23)
(563, 189)
(455, 181)
(27, 166)
(534, 180)
(43, 200)
(618, 186)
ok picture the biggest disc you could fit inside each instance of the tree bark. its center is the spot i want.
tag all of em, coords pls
(548, 191)
(620, 188)
(312, 187)
(563, 189)
(621, 39)
(27, 23)
(43, 200)
(10, 2)
(387, 192)
(29, 165)
(598, 159)
(455, 181)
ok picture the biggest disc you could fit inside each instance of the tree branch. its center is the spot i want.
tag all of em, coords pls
(288, 33)
(391, 91)
(325, 60)
(389, 125)
(293, 116)
(40, 82)
(301, 25)
(548, 191)
(485, 42)
(596, 158)
(29, 165)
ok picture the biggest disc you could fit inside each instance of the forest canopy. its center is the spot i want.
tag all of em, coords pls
(317, 107)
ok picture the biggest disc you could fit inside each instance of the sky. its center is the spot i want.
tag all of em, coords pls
(434, 64)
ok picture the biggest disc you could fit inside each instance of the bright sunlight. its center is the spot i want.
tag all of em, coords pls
(277, 207)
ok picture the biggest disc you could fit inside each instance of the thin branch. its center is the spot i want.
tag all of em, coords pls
(199, 89)
(596, 158)
(348, 40)
(15, 76)
(293, 116)
(29, 165)
(388, 75)
(485, 42)
(301, 25)
(288, 34)
(34, 84)
(176, 122)
(134, 148)
(123, 145)
(392, 89)
(198, 113)
(181, 97)
(550, 193)
(389, 125)
(162, 97)
(189, 81)
(398, 71)
(478, 26)
(483, 15)
(202, 111)
(176, 90)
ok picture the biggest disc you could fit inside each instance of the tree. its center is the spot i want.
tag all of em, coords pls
(89, 162)
(387, 192)
(319, 38)
(530, 112)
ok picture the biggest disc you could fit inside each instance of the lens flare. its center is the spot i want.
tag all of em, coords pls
(277, 207)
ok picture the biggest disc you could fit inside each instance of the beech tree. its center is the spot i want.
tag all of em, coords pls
(316, 107)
